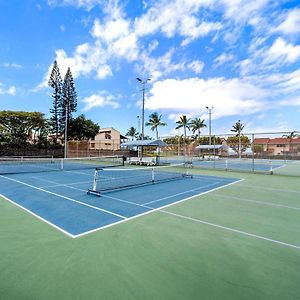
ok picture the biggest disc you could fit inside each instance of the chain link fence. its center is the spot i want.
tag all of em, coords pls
(271, 153)
(97, 149)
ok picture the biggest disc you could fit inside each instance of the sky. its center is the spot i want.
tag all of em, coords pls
(239, 57)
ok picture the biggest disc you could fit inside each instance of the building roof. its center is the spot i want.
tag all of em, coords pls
(202, 147)
(284, 140)
(141, 143)
(261, 141)
(274, 141)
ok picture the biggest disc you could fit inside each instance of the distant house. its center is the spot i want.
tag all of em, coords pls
(277, 146)
(107, 139)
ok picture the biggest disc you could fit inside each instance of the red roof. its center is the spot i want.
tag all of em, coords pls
(261, 141)
(279, 140)
(295, 141)
(274, 141)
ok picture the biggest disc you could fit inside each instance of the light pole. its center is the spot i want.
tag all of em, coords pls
(139, 126)
(240, 142)
(209, 126)
(139, 135)
(66, 132)
(143, 104)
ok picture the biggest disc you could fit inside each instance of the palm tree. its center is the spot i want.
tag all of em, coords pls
(196, 125)
(183, 122)
(154, 122)
(290, 137)
(238, 127)
(132, 132)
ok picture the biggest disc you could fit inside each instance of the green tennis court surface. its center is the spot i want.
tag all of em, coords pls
(238, 242)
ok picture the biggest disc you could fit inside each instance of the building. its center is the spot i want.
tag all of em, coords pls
(277, 146)
(107, 139)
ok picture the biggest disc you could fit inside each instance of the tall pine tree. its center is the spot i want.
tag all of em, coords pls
(69, 99)
(55, 82)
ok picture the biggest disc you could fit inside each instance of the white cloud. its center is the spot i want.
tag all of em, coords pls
(243, 10)
(282, 53)
(12, 65)
(196, 66)
(112, 39)
(289, 82)
(86, 59)
(223, 58)
(152, 46)
(87, 4)
(11, 90)
(100, 100)
(176, 17)
(110, 30)
(294, 101)
(191, 96)
(193, 29)
(156, 67)
(291, 22)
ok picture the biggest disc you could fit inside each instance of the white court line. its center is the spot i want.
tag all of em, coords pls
(258, 202)
(153, 209)
(37, 216)
(182, 193)
(211, 178)
(78, 172)
(170, 213)
(269, 189)
(64, 197)
(276, 168)
(232, 229)
(56, 184)
(124, 219)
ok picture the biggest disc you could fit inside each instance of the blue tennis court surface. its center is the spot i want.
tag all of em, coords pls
(248, 165)
(60, 198)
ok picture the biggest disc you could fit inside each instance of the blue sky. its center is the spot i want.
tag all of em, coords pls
(241, 57)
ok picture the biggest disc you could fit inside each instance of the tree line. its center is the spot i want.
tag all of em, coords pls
(238, 143)
(21, 127)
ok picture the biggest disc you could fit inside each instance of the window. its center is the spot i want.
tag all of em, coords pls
(107, 136)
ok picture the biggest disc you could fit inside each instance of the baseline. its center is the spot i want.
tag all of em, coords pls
(63, 197)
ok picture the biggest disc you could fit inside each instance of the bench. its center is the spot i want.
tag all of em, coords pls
(148, 161)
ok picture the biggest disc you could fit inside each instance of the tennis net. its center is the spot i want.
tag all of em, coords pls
(15, 165)
(113, 179)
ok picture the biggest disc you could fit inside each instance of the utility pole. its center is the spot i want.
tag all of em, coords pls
(209, 124)
(143, 83)
(139, 126)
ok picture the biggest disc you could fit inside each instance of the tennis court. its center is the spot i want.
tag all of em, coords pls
(212, 235)
(60, 198)
(234, 164)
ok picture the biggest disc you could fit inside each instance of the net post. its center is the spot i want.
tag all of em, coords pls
(152, 175)
(62, 164)
(252, 149)
(186, 172)
(226, 165)
(271, 168)
(95, 181)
